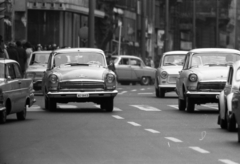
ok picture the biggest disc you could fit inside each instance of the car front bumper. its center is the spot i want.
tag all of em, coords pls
(172, 86)
(99, 94)
(203, 95)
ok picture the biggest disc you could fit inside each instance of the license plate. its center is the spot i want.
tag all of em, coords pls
(82, 95)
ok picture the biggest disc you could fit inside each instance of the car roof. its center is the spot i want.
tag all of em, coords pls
(41, 52)
(128, 56)
(220, 50)
(4, 60)
(175, 52)
(65, 50)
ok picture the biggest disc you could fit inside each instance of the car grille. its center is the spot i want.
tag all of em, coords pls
(211, 86)
(172, 79)
(81, 86)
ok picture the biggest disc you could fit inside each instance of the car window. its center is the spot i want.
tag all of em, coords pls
(124, 61)
(39, 58)
(186, 60)
(135, 62)
(2, 70)
(176, 59)
(238, 75)
(17, 71)
(10, 73)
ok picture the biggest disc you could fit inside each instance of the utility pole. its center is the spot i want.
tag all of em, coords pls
(91, 21)
(217, 23)
(166, 26)
(194, 24)
(143, 27)
(2, 11)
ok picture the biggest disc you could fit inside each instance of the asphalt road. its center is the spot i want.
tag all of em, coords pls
(142, 129)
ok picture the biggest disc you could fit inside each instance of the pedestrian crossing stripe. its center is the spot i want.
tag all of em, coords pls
(146, 108)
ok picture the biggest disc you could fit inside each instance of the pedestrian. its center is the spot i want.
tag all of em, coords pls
(111, 64)
(3, 51)
(39, 47)
(22, 56)
(12, 52)
(28, 48)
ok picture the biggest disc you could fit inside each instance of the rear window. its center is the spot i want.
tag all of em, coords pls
(39, 58)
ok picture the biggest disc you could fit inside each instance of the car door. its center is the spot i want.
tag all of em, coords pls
(14, 84)
(123, 69)
(137, 70)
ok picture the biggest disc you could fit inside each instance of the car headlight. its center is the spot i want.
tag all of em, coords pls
(193, 77)
(53, 79)
(164, 74)
(30, 75)
(110, 78)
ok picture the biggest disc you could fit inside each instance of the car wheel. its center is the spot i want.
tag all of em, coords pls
(3, 116)
(181, 104)
(102, 106)
(161, 93)
(109, 105)
(157, 92)
(52, 104)
(23, 114)
(239, 134)
(145, 80)
(45, 102)
(190, 105)
(231, 123)
(222, 122)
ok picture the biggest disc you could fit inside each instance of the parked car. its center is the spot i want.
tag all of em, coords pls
(37, 65)
(79, 75)
(203, 76)
(16, 92)
(236, 101)
(165, 78)
(131, 69)
(226, 118)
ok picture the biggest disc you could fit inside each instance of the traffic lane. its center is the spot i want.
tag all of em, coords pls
(198, 128)
(74, 136)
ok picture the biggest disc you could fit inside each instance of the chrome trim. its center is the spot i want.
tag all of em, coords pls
(94, 93)
(167, 86)
(202, 93)
(82, 80)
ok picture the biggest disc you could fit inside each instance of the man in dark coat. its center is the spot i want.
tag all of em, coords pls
(22, 56)
(12, 52)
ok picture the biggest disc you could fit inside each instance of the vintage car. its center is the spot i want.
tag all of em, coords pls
(37, 65)
(16, 92)
(236, 100)
(131, 69)
(203, 76)
(165, 78)
(226, 118)
(79, 75)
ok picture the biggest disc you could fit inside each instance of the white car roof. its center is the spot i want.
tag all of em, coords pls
(175, 52)
(222, 50)
(65, 50)
(2, 60)
(128, 56)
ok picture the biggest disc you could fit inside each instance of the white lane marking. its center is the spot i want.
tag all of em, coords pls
(34, 108)
(152, 131)
(142, 89)
(210, 106)
(122, 92)
(200, 150)
(134, 123)
(174, 106)
(173, 139)
(134, 90)
(118, 117)
(149, 93)
(114, 108)
(146, 108)
(62, 106)
(227, 161)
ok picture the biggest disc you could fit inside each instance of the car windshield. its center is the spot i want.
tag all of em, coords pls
(79, 58)
(213, 59)
(173, 60)
(39, 58)
(1, 70)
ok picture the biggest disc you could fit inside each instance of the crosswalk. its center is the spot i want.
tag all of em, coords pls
(146, 108)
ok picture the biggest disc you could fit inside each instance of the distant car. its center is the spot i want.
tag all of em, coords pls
(37, 65)
(170, 65)
(226, 118)
(131, 69)
(79, 75)
(203, 76)
(16, 92)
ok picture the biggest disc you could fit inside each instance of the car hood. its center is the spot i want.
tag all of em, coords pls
(81, 72)
(211, 73)
(37, 68)
(172, 69)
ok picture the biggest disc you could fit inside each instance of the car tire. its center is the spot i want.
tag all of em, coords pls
(145, 80)
(102, 106)
(181, 104)
(161, 93)
(3, 116)
(157, 92)
(45, 102)
(23, 114)
(231, 123)
(190, 105)
(109, 105)
(239, 134)
(52, 104)
(222, 122)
